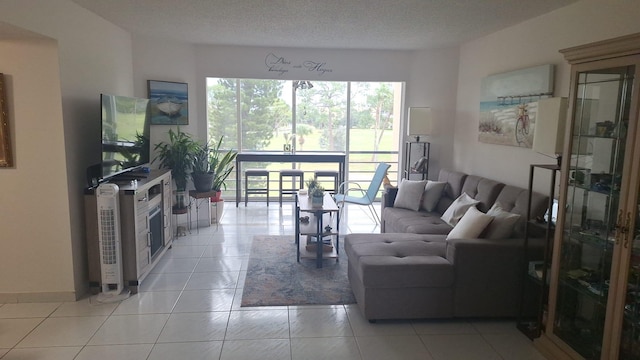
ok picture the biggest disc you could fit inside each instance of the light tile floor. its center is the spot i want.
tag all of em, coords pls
(189, 308)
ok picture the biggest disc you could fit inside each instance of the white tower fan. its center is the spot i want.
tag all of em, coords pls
(110, 244)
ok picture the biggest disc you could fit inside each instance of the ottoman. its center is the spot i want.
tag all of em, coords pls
(400, 276)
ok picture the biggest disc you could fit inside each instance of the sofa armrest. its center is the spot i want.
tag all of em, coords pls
(389, 196)
(488, 275)
(472, 255)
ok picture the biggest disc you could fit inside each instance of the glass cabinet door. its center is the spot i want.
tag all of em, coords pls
(630, 336)
(630, 339)
(593, 191)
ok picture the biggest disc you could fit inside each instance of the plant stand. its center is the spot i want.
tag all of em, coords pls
(217, 208)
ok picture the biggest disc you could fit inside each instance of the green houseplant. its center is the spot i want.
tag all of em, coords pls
(177, 154)
(202, 172)
(222, 164)
(311, 185)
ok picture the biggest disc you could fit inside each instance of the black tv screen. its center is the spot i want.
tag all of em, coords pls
(125, 134)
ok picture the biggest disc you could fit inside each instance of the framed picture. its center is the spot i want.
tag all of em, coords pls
(6, 160)
(169, 102)
(509, 105)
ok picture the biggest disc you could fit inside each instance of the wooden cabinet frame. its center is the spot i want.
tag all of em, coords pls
(619, 52)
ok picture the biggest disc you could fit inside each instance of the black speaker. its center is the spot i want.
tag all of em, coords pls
(93, 175)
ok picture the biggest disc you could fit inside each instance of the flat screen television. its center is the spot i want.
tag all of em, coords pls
(125, 134)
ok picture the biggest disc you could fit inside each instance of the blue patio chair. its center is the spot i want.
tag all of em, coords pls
(364, 197)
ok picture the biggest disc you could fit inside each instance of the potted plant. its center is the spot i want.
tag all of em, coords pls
(177, 155)
(202, 172)
(222, 164)
(317, 196)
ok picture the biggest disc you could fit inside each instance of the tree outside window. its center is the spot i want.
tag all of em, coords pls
(265, 121)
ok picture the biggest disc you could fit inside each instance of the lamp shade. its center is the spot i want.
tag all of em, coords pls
(548, 137)
(419, 121)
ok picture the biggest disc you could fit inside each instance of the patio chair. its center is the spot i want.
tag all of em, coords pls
(364, 197)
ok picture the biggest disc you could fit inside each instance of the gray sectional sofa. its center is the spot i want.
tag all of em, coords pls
(411, 270)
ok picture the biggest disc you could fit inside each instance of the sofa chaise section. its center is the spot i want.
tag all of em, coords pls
(397, 276)
(411, 269)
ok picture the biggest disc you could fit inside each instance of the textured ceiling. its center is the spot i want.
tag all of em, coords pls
(339, 24)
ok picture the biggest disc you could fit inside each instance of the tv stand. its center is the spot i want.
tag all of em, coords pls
(145, 226)
(128, 176)
(138, 174)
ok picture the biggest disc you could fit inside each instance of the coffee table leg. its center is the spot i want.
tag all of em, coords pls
(297, 240)
(319, 243)
(337, 238)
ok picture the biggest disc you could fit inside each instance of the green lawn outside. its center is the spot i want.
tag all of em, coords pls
(361, 140)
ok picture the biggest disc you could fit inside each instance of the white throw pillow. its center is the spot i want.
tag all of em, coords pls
(409, 194)
(458, 208)
(432, 194)
(470, 225)
(503, 223)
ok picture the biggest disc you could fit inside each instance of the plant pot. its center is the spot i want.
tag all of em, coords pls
(180, 201)
(203, 182)
(217, 196)
(317, 201)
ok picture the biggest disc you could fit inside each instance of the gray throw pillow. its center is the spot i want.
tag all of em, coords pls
(503, 223)
(410, 194)
(432, 194)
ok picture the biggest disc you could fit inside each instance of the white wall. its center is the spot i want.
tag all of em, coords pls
(158, 59)
(94, 57)
(433, 83)
(531, 43)
(35, 209)
(300, 64)
(429, 75)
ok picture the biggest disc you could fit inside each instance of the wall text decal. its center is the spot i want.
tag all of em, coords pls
(281, 65)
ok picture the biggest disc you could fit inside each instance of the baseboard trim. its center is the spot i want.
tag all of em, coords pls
(39, 297)
(549, 349)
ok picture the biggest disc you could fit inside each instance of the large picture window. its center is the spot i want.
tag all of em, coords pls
(359, 118)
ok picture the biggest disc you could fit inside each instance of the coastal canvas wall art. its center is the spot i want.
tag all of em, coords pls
(169, 102)
(508, 105)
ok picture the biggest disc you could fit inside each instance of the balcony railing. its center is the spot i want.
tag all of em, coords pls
(360, 167)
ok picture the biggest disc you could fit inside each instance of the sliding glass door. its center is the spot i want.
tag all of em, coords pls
(359, 118)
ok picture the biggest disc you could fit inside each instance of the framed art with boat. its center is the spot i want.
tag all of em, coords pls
(169, 102)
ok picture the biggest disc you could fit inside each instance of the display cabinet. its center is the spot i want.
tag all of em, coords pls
(416, 159)
(594, 300)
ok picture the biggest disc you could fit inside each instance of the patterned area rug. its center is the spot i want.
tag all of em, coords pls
(275, 278)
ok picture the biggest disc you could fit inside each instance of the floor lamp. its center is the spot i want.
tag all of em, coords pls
(548, 138)
(419, 123)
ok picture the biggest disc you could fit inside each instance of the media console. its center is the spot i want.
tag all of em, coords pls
(145, 226)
